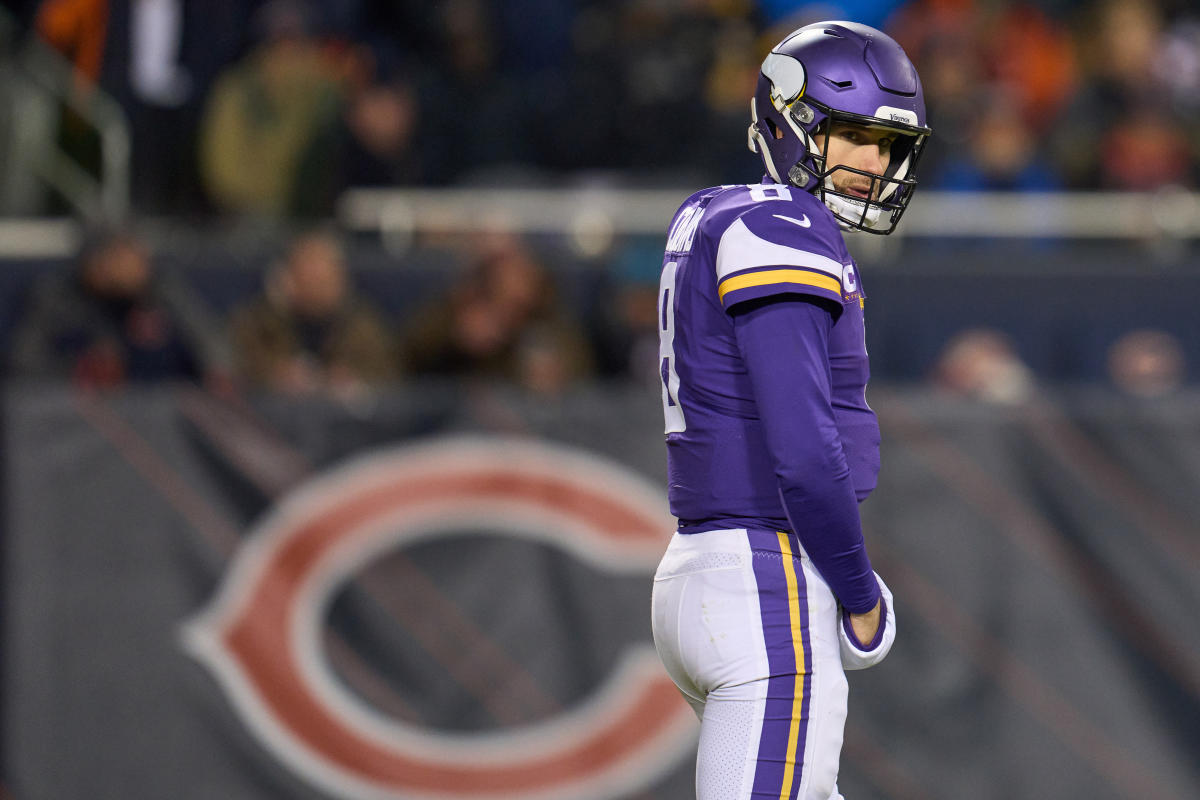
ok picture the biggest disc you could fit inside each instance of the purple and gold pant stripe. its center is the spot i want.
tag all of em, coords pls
(783, 602)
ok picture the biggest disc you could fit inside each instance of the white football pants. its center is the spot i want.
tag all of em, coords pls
(747, 629)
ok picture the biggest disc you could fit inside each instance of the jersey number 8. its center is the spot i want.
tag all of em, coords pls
(672, 411)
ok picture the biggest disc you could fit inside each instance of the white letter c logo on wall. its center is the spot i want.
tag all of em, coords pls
(262, 635)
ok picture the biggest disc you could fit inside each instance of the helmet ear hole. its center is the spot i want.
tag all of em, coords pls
(776, 133)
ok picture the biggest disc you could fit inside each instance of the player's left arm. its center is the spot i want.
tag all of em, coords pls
(784, 344)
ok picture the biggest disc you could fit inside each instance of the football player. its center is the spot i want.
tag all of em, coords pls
(766, 593)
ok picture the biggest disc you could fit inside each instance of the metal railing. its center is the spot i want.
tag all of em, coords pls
(399, 213)
(592, 220)
(36, 83)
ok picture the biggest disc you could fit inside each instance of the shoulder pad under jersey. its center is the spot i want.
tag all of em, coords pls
(771, 239)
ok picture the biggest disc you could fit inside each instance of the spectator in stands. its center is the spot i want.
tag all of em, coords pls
(503, 320)
(158, 61)
(1147, 149)
(475, 115)
(1123, 129)
(1147, 363)
(983, 364)
(663, 56)
(952, 74)
(373, 143)
(965, 51)
(115, 320)
(1001, 153)
(310, 331)
(267, 111)
(1177, 64)
(731, 78)
(1011, 46)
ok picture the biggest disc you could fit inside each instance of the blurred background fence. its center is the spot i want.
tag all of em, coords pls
(332, 433)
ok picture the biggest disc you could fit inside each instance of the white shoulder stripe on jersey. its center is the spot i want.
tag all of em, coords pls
(740, 249)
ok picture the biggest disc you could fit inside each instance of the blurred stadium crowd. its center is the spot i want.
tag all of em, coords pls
(270, 109)
(116, 318)
(274, 106)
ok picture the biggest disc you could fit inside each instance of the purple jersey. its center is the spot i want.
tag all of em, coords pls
(764, 369)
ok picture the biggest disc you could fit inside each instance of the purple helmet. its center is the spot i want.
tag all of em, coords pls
(832, 72)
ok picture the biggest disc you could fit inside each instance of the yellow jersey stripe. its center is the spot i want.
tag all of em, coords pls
(746, 280)
(789, 572)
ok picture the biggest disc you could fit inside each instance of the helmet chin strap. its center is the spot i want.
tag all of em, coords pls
(846, 209)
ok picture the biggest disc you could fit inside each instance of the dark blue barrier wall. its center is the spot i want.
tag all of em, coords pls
(1062, 304)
